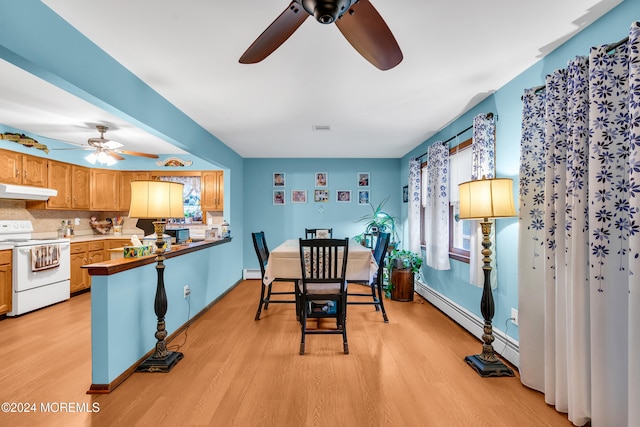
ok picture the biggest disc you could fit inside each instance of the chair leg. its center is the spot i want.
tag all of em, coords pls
(345, 344)
(266, 302)
(373, 294)
(381, 300)
(261, 302)
(303, 328)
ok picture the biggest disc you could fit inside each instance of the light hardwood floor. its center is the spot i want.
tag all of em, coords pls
(241, 372)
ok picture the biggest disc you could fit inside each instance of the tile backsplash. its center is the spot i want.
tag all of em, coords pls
(47, 222)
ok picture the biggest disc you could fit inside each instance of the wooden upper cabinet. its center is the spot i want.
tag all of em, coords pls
(10, 167)
(59, 177)
(104, 190)
(22, 169)
(212, 187)
(34, 171)
(124, 186)
(80, 184)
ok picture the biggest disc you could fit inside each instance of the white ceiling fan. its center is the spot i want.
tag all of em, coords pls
(107, 152)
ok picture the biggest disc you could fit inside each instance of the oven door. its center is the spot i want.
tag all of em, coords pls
(34, 266)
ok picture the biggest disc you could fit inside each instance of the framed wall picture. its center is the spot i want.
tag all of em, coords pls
(278, 179)
(322, 179)
(278, 197)
(405, 194)
(299, 196)
(343, 196)
(363, 197)
(321, 195)
(363, 179)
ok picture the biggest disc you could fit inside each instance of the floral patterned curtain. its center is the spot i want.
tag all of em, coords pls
(483, 155)
(414, 205)
(580, 237)
(437, 206)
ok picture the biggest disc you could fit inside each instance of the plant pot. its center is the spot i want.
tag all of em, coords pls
(403, 282)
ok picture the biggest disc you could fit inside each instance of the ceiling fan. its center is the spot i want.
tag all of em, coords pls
(106, 151)
(358, 21)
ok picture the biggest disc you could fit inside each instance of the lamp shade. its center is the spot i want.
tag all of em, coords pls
(156, 199)
(487, 198)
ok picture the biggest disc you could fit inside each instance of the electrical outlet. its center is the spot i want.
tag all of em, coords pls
(187, 291)
(514, 316)
(77, 221)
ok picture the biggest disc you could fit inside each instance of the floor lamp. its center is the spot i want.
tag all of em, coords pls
(158, 200)
(486, 199)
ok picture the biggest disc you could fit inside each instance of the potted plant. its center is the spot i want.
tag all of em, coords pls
(404, 265)
(378, 221)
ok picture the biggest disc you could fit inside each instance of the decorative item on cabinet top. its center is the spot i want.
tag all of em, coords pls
(174, 162)
(24, 140)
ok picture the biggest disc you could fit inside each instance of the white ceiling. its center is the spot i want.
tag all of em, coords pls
(455, 54)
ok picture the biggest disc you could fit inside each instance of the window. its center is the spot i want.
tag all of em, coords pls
(191, 195)
(459, 231)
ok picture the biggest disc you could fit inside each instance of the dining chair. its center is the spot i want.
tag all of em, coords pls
(379, 254)
(322, 292)
(318, 233)
(262, 251)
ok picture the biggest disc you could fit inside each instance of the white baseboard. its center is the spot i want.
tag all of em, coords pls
(504, 345)
(251, 273)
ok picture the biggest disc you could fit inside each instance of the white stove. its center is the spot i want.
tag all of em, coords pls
(40, 269)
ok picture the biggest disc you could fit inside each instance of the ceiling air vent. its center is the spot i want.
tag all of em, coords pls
(321, 127)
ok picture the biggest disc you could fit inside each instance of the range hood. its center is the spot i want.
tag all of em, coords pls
(23, 192)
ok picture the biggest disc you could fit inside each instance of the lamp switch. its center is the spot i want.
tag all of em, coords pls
(514, 316)
(187, 291)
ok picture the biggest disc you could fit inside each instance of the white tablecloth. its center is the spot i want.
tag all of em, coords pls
(284, 263)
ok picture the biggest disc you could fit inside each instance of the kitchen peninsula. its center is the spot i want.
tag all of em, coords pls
(123, 321)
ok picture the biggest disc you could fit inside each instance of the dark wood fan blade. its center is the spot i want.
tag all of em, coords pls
(137, 153)
(367, 32)
(114, 155)
(276, 34)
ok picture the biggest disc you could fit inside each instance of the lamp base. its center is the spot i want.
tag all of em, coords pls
(163, 364)
(489, 369)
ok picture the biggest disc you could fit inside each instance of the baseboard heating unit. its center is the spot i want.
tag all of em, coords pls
(504, 345)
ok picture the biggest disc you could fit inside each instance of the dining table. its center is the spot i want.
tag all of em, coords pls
(284, 263)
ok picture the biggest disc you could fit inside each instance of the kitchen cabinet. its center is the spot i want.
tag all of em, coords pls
(212, 188)
(72, 183)
(6, 289)
(124, 187)
(10, 167)
(34, 171)
(59, 175)
(80, 187)
(104, 190)
(82, 254)
(22, 169)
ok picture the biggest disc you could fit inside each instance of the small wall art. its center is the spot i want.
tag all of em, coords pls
(343, 196)
(363, 197)
(322, 179)
(299, 196)
(363, 179)
(278, 197)
(321, 196)
(278, 179)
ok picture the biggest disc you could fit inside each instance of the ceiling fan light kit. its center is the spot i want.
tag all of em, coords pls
(107, 152)
(358, 21)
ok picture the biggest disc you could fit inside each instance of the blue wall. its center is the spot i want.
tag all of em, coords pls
(506, 104)
(281, 222)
